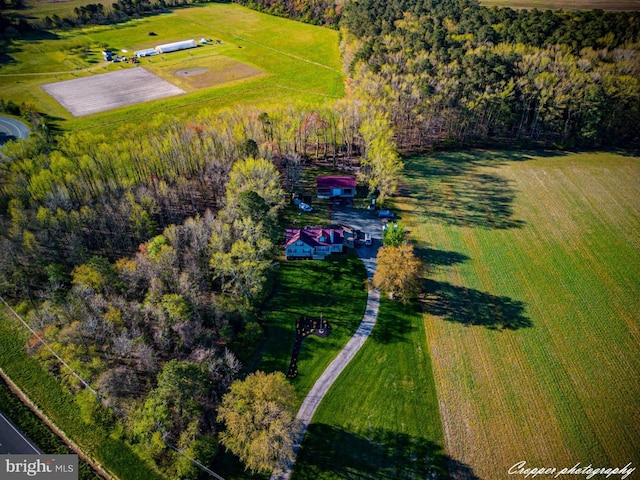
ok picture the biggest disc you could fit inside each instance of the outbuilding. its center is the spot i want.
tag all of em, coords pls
(175, 46)
(145, 53)
(336, 186)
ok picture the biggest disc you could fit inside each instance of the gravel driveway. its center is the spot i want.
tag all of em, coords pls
(367, 221)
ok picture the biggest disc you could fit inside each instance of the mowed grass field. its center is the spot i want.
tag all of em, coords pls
(380, 420)
(262, 60)
(532, 306)
(334, 290)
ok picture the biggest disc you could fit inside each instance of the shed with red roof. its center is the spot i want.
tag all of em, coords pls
(332, 186)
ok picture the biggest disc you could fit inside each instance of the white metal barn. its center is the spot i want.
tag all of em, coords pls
(145, 53)
(175, 46)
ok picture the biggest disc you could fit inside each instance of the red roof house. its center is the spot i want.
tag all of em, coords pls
(336, 186)
(313, 242)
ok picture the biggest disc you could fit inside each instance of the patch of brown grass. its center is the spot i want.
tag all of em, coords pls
(204, 71)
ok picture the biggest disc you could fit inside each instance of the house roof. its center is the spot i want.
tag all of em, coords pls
(314, 236)
(336, 181)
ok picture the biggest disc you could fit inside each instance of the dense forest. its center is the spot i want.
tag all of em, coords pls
(143, 262)
(455, 72)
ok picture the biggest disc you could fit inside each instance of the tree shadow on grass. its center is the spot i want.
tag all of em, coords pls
(8, 47)
(460, 189)
(333, 453)
(475, 200)
(436, 259)
(473, 307)
(394, 322)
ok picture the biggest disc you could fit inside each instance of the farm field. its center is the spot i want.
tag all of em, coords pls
(261, 60)
(607, 5)
(531, 308)
(117, 89)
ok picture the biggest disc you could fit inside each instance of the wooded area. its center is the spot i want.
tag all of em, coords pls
(143, 262)
(456, 73)
(142, 255)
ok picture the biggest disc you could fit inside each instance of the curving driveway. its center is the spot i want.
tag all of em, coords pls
(364, 220)
(12, 129)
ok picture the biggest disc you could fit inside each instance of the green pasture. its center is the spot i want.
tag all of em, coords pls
(297, 62)
(380, 420)
(39, 9)
(531, 304)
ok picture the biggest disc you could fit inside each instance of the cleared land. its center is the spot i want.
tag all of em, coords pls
(380, 419)
(531, 313)
(83, 96)
(204, 71)
(333, 289)
(262, 60)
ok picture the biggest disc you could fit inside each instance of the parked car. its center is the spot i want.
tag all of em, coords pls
(385, 214)
(367, 239)
(305, 207)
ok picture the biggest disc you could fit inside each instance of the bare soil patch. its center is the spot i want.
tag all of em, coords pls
(99, 93)
(203, 72)
(189, 72)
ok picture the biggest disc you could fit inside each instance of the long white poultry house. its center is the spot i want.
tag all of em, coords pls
(175, 46)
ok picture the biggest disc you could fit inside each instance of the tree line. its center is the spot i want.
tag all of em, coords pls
(453, 72)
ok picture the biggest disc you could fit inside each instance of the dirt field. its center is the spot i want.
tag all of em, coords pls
(202, 71)
(84, 96)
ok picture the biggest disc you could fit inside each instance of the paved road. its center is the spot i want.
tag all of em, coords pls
(13, 441)
(10, 129)
(364, 220)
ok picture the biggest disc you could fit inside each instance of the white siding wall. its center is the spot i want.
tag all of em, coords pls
(299, 251)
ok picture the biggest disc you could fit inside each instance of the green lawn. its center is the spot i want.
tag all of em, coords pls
(298, 62)
(380, 420)
(531, 312)
(333, 289)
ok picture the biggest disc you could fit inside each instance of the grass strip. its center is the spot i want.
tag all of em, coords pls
(59, 406)
(29, 423)
(381, 419)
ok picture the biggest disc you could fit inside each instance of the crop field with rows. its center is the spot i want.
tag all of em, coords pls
(531, 304)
